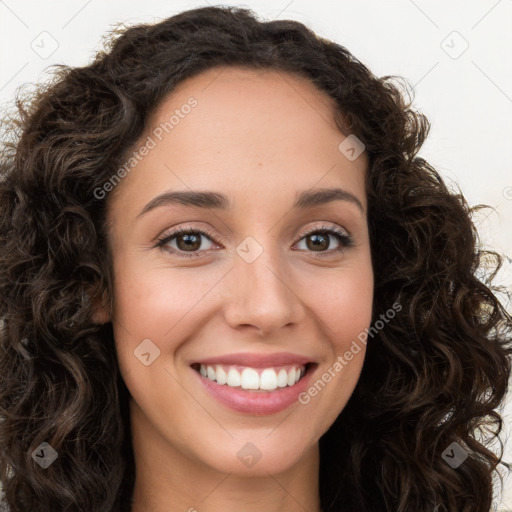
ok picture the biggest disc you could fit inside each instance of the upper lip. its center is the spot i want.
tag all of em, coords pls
(255, 360)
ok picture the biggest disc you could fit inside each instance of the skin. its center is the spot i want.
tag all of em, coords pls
(260, 137)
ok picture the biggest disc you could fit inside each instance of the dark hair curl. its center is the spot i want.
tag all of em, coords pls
(434, 375)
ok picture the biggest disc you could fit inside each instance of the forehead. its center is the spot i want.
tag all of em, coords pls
(250, 129)
(240, 93)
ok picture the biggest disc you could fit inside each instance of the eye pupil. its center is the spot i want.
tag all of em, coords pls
(188, 244)
(321, 241)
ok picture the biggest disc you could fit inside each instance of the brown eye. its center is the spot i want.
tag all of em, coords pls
(318, 241)
(190, 242)
(187, 242)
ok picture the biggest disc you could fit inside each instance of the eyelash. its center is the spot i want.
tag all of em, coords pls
(342, 236)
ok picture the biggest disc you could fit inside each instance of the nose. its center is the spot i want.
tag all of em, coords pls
(262, 295)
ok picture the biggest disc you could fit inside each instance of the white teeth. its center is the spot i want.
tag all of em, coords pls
(233, 378)
(268, 380)
(250, 379)
(222, 377)
(282, 378)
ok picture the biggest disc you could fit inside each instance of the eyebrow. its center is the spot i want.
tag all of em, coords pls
(215, 200)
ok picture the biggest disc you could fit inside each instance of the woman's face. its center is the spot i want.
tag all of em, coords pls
(263, 295)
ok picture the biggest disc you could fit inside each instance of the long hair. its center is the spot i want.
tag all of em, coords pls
(433, 376)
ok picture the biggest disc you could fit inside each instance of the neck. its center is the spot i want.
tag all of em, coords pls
(167, 480)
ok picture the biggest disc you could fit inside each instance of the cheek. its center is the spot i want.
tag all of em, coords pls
(145, 308)
(151, 302)
(343, 304)
(159, 304)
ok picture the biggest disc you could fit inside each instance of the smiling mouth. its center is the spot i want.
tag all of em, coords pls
(253, 379)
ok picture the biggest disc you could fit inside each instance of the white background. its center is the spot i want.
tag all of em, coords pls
(457, 56)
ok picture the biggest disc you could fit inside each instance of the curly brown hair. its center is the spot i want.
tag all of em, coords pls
(433, 376)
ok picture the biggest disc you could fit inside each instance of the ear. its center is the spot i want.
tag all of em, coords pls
(100, 313)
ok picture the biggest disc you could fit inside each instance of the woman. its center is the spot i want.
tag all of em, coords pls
(229, 283)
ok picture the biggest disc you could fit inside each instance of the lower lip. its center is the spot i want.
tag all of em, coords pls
(256, 402)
